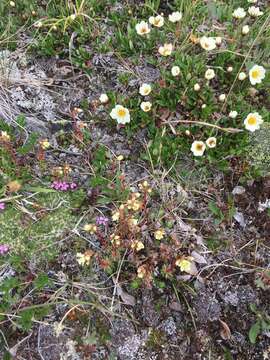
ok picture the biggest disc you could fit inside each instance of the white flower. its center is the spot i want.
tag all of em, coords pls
(211, 142)
(229, 68)
(203, 106)
(233, 114)
(198, 148)
(73, 17)
(120, 114)
(239, 13)
(208, 43)
(218, 40)
(252, 1)
(197, 87)
(103, 98)
(175, 70)
(142, 28)
(245, 29)
(242, 76)
(222, 97)
(146, 106)
(253, 121)
(256, 74)
(166, 49)
(175, 16)
(255, 11)
(12, 4)
(209, 74)
(157, 21)
(145, 89)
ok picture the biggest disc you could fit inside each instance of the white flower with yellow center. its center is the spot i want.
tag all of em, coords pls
(198, 148)
(142, 28)
(146, 106)
(256, 74)
(242, 76)
(245, 29)
(233, 114)
(166, 49)
(175, 70)
(209, 74)
(175, 16)
(145, 89)
(120, 114)
(239, 13)
(255, 11)
(157, 21)
(253, 121)
(208, 43)
(211, 142)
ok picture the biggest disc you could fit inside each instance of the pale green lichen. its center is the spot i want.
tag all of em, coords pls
(258, 151)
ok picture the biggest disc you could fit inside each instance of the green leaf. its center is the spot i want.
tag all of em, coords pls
(41, 281)
(254, 332)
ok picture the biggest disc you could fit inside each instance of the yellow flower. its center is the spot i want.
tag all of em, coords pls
(198, 148)
(209, 74)
(145, 89)
(142, 28)
(208, 43)
(120, 157)
(184, 264)
(84, 259)
(211, 142)
(120, 114)
(137, 245)
(256, 74)
(253, 121)
(157, 21)
(115, 240)
(166, 49)
(115, 216)
(159, 234)
(146, 106)
(141, 271)
(145, 187)
(91, 228)
(45, 144)
(4, 136)
(175, 16)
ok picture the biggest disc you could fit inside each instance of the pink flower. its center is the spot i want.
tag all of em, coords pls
(2, 206)
(4, 248)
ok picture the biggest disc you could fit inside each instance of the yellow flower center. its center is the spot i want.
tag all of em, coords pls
(199, 147)
(255, 74)
(121, 112)
(143, 30)
(252, 120)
